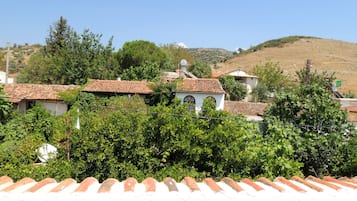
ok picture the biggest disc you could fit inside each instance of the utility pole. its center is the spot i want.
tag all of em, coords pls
(308, 71)
(7, 63)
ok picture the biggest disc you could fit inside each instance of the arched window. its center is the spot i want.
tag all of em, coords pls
(190, 100)
(211, 98)
(209, 103)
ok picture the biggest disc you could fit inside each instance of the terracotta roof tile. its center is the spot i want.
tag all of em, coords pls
(150, 184)
(311, 188)
(329, 184)
(252, 184)
(245, 108)
(18, 184)
(270, 183)
(234, 185)
(212, 184)
(18, 92)
(298, 179)
(129, 184)
(331, 179)
(85, 184)
(200, 85)
(41, 184)
(118, 86)
(5, 179)
(290, 184)
(107, 185)
(191, 183)
(64, 184)
(170, 183)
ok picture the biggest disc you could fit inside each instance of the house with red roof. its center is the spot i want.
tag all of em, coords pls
(24, 96)
(195, 91)
(118, 87)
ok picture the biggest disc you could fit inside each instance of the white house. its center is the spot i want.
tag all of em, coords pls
(3, 78)
(194, 91)
(23, 96)
(242, 77)
(250, 81)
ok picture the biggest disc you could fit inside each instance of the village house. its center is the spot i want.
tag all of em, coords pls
(188, 90)
(249, 81)
(118, 87)
(24, 96)
(194, 91)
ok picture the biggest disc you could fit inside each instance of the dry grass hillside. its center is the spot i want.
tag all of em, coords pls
(326, 55)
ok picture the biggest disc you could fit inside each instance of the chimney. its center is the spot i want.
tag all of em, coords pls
(183, 68)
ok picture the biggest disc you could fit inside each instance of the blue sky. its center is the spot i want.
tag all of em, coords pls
(228, 24)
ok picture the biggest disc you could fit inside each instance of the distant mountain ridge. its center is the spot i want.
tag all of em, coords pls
(210, 55)
(326, 55)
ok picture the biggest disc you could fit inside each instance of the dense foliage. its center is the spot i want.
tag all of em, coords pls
(325, 132)
(137, 53)
(201, 70)
(234, 90)
(272, 76)
(5, 107)
(121, 137)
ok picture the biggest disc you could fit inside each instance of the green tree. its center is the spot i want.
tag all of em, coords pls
(260, 92)
(163, 92)
(324, 79)
(311, 108)
(201, 70)
(235, 90)
(71, 58)
(5, 107)
(137, 53)
(59, 35)
(175, 54)
(272, 76)
(148, 71)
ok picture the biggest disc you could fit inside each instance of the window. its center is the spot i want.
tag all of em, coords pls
(211, 98)
(209, 103)
(190, 100)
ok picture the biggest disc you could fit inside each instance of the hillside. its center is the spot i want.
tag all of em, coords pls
(18, 57)
(210, 55)
(326, 55)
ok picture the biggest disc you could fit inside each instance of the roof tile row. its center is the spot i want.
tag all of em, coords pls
(280, 184)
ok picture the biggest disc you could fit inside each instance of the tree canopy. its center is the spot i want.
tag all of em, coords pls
(5, 107)
(71, 58)
(324, 128)
(137, 53)
(235, 91)
(272, 76)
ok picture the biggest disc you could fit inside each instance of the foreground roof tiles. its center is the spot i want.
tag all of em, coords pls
(296, 188)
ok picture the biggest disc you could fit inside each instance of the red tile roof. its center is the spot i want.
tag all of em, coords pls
(352, 108)
(188, 184)
(200, 85)
(18, 92)
(245, 108)
(118, 86)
